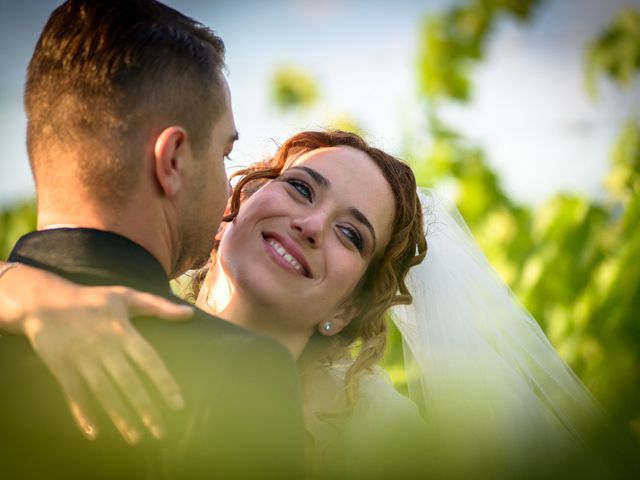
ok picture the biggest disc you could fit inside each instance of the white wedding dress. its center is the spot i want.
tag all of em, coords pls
(361, 441)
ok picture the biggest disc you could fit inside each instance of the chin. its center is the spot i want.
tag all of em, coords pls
(261, 288)
(196, 249)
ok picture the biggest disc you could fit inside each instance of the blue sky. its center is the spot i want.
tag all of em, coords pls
(530, 110)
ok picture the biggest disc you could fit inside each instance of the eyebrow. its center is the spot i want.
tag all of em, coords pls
(325, 183)
(317, 176)
(234, 137)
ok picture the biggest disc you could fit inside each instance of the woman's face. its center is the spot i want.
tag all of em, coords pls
(302, 242)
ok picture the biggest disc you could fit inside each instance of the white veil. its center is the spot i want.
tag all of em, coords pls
(480, 367)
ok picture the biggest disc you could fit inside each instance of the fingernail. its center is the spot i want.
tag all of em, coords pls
(90, 431)
(132, 436)
(177, 402)
(155, 428)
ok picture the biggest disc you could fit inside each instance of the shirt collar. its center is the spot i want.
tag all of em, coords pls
(92, 256)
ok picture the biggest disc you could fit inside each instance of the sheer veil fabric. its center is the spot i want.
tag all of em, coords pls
(487, 380)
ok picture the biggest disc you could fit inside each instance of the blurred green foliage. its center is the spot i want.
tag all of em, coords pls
(453, 41)
(15, 221)
(346, 123)
(573, 262)
(293, 89)
(616, 52)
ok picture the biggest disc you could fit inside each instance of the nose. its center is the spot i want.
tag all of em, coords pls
(310, 228)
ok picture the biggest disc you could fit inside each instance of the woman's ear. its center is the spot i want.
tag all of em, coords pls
(340, 320)
(171, 151)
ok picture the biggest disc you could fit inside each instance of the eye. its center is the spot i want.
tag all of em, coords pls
(227, 158)
(302, 188)
(353, 236)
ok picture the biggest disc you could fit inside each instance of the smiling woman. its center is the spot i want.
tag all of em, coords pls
(298, 248)
(316, 246)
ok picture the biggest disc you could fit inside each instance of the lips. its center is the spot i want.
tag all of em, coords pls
(288, 253)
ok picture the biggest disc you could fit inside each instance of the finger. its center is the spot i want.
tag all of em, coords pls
(127, 380)
(103, 389)
(150, 363)
(75, 392)
(142, 303)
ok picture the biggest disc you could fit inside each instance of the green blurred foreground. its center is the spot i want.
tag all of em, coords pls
(574, 262)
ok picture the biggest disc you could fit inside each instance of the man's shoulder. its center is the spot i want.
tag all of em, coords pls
(213, 350)
(238, 386)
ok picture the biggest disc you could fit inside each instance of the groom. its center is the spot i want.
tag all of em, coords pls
(129, 119)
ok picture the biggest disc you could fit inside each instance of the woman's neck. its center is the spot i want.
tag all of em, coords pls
(219, 297)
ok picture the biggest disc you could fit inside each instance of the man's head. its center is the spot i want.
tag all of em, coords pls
(106, 80)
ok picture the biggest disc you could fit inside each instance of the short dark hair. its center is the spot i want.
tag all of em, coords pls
(106, 72)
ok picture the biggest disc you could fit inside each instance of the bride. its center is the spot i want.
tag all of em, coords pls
(320, 244)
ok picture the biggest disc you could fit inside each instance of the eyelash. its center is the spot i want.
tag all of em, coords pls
(353, 236)
(307, 192)
(302, 188)
(228, 158)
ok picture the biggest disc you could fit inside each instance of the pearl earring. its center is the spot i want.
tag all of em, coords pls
(326, 326)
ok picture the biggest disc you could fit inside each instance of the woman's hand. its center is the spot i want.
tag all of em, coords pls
(84, 337)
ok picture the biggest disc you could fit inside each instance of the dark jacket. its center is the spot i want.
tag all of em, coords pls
(242, 417)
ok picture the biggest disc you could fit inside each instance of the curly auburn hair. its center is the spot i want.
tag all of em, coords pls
(383, 284)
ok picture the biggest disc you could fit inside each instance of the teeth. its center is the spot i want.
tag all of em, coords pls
(286, 255)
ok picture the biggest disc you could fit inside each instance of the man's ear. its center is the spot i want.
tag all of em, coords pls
(170, 151)
(340, 320)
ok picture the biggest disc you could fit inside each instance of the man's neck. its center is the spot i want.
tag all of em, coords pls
(57, 225)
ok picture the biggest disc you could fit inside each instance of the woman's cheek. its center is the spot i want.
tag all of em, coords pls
(348, 271)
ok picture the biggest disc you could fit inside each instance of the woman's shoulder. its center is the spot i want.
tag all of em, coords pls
(376, 401)
(385, 435)
(379, 405)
